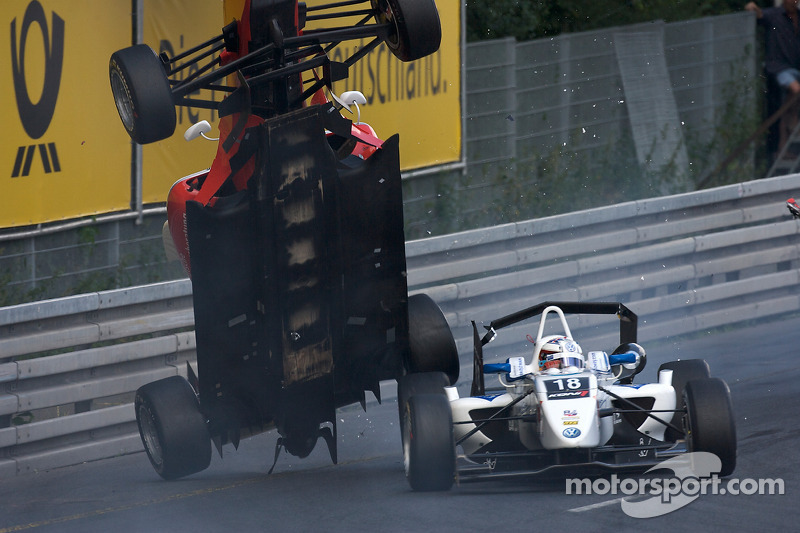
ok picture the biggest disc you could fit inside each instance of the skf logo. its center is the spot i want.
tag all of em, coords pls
(36, 117)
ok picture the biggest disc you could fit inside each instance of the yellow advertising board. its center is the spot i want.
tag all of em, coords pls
(63, 153)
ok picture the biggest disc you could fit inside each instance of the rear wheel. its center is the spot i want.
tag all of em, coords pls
(415, 27)
(709, 421)
(429, 451)
(173, 430)
(142, 94)
(431, 344)
(683, 372)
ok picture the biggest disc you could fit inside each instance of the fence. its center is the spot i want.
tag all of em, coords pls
(115, 250)
(684, 264)
(553, 87)
(552, 115)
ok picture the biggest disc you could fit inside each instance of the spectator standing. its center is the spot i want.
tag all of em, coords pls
(781, 55)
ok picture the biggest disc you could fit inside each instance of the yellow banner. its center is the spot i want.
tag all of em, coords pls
(63, 152)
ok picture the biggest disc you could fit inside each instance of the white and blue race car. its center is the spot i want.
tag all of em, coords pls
(564, 409)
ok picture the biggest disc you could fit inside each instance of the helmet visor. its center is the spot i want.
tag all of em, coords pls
(572, 361)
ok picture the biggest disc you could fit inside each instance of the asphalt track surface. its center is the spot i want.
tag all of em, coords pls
(367, 490)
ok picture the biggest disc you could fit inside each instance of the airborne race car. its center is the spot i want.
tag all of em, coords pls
(564, 410)
(794, 209)
(293, 238)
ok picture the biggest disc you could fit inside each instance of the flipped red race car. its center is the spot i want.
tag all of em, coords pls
(293, 238)
(794, 209)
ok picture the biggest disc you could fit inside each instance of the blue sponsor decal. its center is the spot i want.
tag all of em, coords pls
(488, 397)
(572, 433)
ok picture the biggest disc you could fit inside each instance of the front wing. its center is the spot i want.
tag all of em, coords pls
(550, 463)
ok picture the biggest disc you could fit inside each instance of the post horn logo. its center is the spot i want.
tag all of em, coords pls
(36, 117)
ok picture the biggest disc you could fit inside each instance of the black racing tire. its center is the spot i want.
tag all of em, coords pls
(709, 422)
(142, 94)
(415, 384)
(416, 29)
(429, 450)
(173, 430)
(432, 347)
(683, 372)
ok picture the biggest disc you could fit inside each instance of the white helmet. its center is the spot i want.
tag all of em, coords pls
(557, 351)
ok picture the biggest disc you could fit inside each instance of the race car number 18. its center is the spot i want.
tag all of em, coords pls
(572, 383)
(561, 388)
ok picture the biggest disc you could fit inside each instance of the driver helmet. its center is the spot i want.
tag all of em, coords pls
(558, 352)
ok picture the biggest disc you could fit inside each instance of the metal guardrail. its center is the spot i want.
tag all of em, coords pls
(70, 366)
(685, 263)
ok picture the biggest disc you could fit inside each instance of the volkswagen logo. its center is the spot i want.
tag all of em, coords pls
(572, 433)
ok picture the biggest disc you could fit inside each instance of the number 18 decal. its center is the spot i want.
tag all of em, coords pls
(567, 388)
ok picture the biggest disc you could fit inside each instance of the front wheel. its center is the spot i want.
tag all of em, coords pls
(173, 430)
(432, 347)
(415, 29)
(142, 94)
(709, 421)
(683, 372)
(414, 384)
(429, 451)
